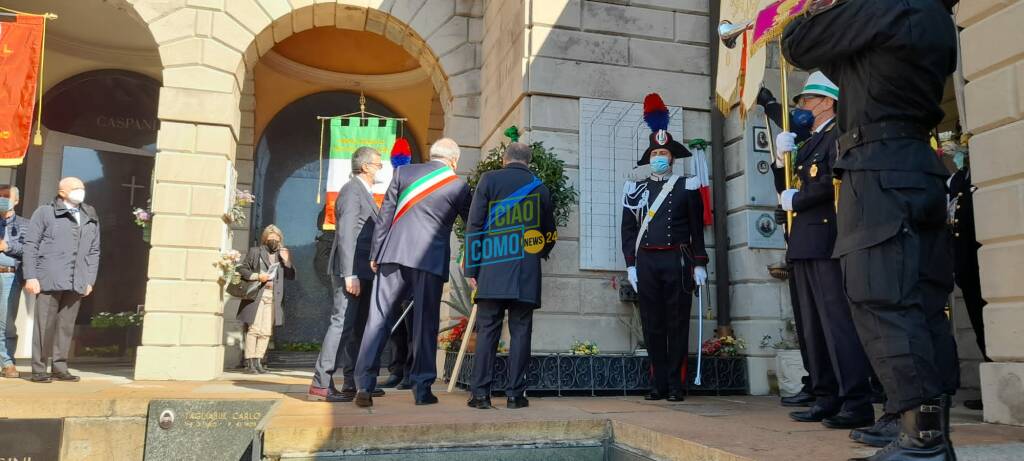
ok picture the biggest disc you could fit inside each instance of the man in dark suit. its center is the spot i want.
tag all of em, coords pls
(410, 254)
(509, 204)
(837, 364)
(351, 279)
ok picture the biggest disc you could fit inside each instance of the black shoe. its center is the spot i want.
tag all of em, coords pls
(429, 399)
(482, 403)
(974, 405)
(803, 399)
(675, 396)
(393, 381)
(377, 393)
(850, 419)
(882, 433)
(66, 377)
(41, 378)
(403, 386)
(924, 436)
(654, 395)
(363, 399)
(815, 414)
(514, 403)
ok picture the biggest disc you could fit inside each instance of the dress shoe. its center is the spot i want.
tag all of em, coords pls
(428, 399)
(11, 372)
(882, 433)
(969, 404)
(654, 395)
(517, 402)
(850, 419)
(393, 381)
(65, 376)
(363, 399)
(321, 394)
(675, 396)
(482, 403)
(813, 415)
(41, 378)
(377, 393)
(403, 386)
(803, 399)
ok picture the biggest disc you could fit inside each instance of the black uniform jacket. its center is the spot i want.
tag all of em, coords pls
(890, 59)
(679, 221)
(814, 217)
(509, 275)
(965, 240)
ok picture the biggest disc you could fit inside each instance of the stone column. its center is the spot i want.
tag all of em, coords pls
(992, 64)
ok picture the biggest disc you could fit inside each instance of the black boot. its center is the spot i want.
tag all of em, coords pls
(259, 366)
(923, 436)
(250, 367)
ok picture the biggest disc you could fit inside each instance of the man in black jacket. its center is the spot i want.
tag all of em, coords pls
(838, 367)
(509, 204)
(61, 259)
(891, 61)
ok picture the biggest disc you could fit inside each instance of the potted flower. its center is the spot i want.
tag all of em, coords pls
(144, 219)
(240, 202)
(723, 367)
(789, 366)
(584, 348)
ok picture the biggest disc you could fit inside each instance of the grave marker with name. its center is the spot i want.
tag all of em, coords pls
(205, 429)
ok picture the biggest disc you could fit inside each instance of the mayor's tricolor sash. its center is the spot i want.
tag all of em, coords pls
(422, 188)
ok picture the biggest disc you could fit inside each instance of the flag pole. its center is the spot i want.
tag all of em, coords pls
(787, 156)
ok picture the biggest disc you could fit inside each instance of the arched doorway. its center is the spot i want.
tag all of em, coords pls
(286, 181)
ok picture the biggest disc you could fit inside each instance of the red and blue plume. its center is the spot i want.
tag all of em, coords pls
(401, 153)
(655, 112)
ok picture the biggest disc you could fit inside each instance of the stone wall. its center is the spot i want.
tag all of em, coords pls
(993, 62)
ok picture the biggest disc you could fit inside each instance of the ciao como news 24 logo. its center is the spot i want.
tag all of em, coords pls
(510, 233)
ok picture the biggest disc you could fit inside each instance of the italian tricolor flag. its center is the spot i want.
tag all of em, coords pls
(347, 135)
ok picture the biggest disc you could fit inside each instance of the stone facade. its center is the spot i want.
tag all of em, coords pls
(992, 49)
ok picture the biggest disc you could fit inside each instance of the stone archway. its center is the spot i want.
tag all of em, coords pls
(209, 49)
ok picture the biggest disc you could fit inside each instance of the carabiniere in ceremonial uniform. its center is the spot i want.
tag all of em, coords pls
(663, 245)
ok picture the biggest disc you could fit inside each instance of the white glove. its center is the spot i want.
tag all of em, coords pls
(786, 199)
(784, 142)
(631, 275)
(700, 275)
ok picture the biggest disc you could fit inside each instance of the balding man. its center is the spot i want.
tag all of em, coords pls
(61, 257)
(410, 256)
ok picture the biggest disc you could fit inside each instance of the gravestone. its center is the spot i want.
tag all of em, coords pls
(30, 439)
(206, 429)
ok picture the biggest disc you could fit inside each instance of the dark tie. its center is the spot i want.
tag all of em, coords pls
(3, 228)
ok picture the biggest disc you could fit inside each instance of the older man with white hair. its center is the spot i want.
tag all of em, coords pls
(410, 255)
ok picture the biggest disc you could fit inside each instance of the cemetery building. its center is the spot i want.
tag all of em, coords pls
(173, 104)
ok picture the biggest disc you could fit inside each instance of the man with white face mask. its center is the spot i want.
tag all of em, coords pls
(61, 258)
(349, 267)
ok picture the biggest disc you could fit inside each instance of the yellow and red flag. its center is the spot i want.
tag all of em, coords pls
(21, 44)
(772, 19)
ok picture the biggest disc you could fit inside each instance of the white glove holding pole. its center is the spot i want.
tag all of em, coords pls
(700, 275)
(786, 199)
(631, 275)
(784, 142)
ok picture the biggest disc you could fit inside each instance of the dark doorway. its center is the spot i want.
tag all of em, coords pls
(286, 179)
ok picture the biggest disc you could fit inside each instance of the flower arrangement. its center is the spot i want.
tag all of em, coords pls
(242, 200)
(143, 217)
(451, 340)
(787, 338)
(228, 267)
(584, 348)
(118, 320)
(725, 346)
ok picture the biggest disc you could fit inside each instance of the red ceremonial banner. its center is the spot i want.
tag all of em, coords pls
(20, 51)
(773, 19)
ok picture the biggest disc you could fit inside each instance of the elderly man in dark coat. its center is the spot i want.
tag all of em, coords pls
(270, 264)
(61, 259)
(509, 204)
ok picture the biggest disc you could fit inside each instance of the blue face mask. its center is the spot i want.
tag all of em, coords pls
(5, 204)
(659, 164)
(958, 159)
(801, 118)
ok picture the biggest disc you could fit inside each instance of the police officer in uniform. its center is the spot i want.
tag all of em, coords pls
(838, 367)
(511, 196)
(891, 61)
(663, 244)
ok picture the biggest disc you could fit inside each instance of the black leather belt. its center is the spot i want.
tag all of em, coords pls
(882, 130)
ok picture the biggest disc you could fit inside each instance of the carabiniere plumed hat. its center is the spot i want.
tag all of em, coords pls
(818, 84)
(656, 116)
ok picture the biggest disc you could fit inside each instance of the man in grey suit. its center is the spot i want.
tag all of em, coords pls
(351, 279)
(410, 255)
